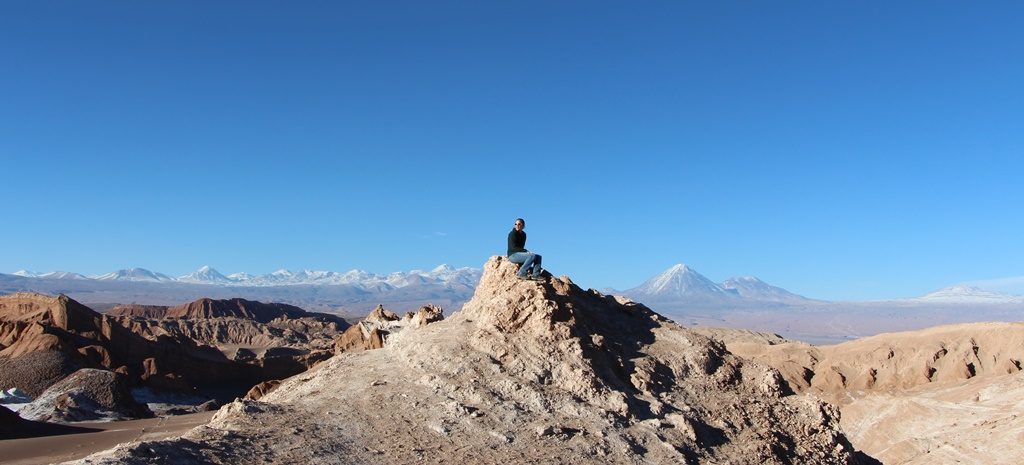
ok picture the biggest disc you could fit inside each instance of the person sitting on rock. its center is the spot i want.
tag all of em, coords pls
(517, 253)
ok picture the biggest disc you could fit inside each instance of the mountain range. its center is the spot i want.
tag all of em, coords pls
(680, 283)
(679, 292)
(677, 284)
(443, 274)
(961, 293)
(687, 296)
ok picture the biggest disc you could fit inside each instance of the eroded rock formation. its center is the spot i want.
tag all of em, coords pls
(527, 372)
(374, 330)
(277, 340)
(31, 324)
(891, 361)
(207, 308)
(43, 339)
(86, 395)
(949, 394)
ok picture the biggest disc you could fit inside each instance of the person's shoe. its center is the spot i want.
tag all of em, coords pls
(523, 278)
(538, 278)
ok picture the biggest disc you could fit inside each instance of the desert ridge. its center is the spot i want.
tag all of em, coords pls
(543, 372)
(549, 372)
(177, 352)
(947, 394)
(891, 361)
(79, 365)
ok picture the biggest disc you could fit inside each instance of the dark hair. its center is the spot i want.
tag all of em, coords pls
(520, 220)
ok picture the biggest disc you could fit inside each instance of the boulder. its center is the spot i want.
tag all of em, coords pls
(86, 395)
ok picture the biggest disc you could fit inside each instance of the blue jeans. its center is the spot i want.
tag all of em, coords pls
(529, 260)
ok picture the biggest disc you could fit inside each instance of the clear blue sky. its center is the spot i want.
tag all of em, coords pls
(855, 150)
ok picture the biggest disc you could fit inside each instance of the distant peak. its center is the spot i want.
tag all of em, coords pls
(964, 288)
(679, 268)
(961, 289)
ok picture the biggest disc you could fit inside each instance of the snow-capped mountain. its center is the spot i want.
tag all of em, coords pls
(60, 275)
(50, 275)
(682, 284)
(206, 275)
(354, 291)
(443, 275)
(238, 277)
(751, 288)
(135, 275)
(451, 275)
(679, 283)
(965, 294)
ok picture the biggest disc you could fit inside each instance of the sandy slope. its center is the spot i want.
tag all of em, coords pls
(58, 448)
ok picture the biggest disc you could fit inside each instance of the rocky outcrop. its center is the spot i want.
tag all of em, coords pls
(949, 394)
(262, 389)
(237, 308)
(891, 361)
(526, 372)
(425, 315)
(373, 331)
(63, 334)
(145, 311)
(86, 395)
(33, 323)
(274, 340)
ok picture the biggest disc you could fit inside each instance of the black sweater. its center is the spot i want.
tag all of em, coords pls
(516, 242)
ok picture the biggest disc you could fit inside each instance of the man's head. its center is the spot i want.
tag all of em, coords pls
(520, 224)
